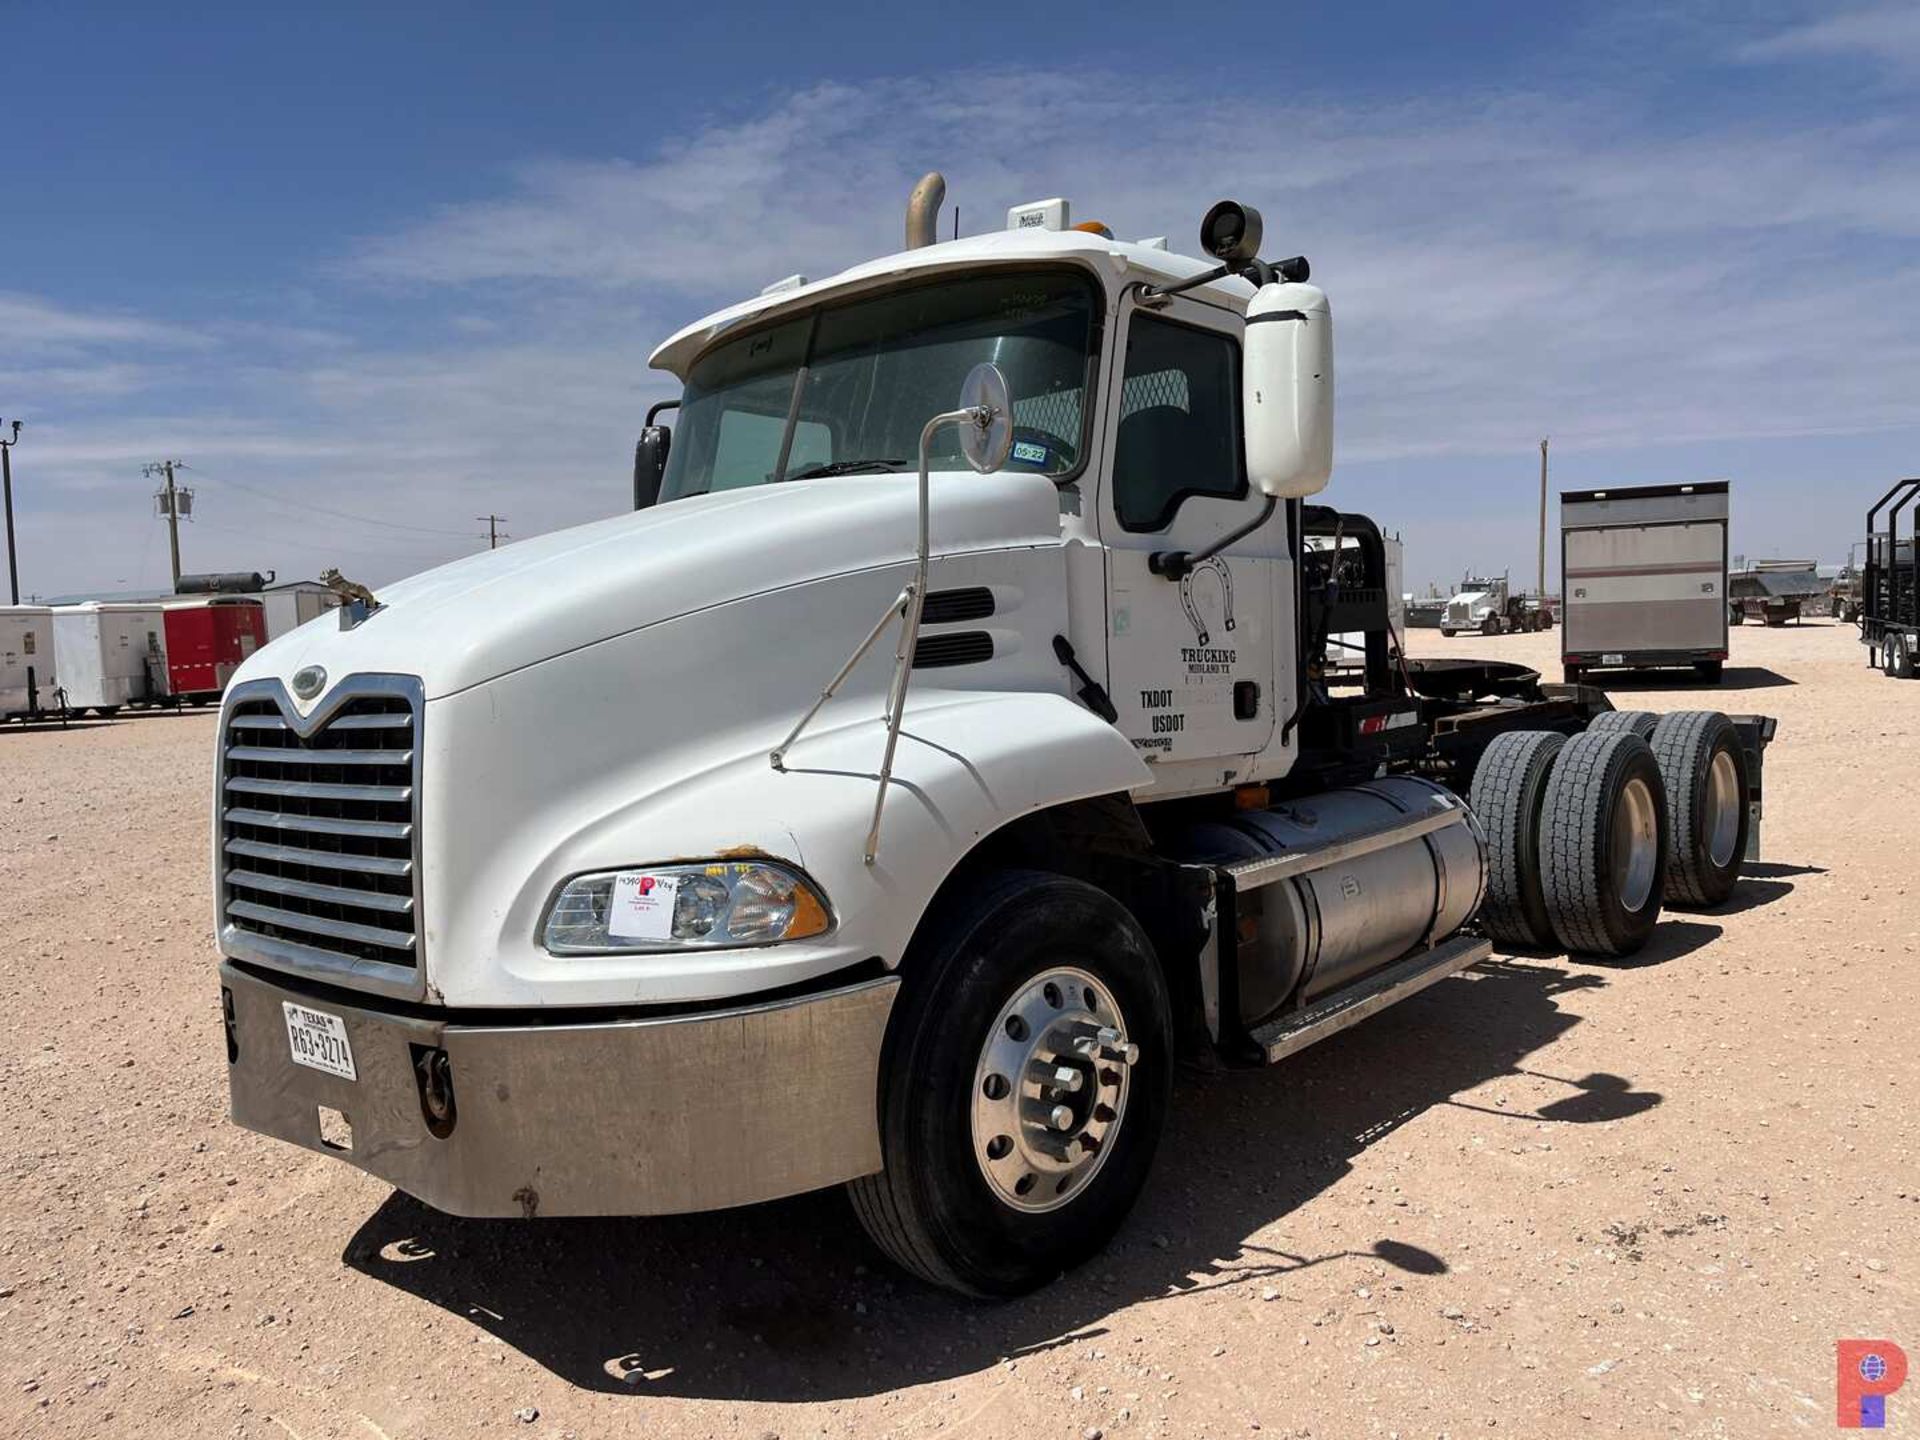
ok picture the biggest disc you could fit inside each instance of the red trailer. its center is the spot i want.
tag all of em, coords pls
(206, 641)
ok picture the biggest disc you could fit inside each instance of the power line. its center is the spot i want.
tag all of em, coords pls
(494, 533)
(271, 498)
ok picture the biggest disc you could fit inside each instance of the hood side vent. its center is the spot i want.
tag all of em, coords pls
(961, 647)
(951, 607)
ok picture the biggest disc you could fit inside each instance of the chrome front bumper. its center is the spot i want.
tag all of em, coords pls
(628, 1117)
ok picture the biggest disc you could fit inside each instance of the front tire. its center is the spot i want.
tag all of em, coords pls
(990, 1186)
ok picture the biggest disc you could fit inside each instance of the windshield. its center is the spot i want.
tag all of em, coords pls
(849, 388)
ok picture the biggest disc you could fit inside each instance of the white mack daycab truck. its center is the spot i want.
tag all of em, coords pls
(589, 876)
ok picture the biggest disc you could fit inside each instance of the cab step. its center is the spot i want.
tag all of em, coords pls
(1290, 1033)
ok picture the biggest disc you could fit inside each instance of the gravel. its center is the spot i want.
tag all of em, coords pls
(1661, 1188)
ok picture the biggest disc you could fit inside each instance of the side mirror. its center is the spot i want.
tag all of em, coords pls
(1286, 390)
(650, 464)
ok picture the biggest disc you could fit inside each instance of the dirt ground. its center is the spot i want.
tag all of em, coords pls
(1544, 1198)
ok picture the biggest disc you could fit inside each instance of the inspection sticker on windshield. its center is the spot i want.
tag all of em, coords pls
(642, 907)
(318, 1041)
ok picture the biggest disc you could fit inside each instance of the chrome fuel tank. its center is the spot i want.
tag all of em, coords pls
(1324, 925)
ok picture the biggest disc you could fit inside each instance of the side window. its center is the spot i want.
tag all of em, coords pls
(1179, 431)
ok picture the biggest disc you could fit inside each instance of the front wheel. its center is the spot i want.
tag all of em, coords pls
(1027, 1077)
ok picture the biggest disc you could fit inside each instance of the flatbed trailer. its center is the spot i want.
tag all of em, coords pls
(1645, 578)
(1890, 584)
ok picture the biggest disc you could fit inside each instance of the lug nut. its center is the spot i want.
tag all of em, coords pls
(1067, 1078)
(1060, 1117)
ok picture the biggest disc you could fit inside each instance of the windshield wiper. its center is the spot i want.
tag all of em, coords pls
(847, 467)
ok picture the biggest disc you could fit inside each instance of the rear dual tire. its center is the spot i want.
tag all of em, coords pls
(1603, 843)
(1897, 658)
(1704, 767)
(1629, 722)
(1508, 794)
(1574, 840)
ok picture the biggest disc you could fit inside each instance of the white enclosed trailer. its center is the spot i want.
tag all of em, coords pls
(110, 654)
(292, 605)
(27, 663)
(1644, 574)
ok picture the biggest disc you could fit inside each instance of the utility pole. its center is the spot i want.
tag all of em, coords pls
(6, 485)
(168, 500)
(494, 533)
(1543, 522)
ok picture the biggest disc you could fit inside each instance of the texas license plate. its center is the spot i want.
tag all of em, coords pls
(318, 1040)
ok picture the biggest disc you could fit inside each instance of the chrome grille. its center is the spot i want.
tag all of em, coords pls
(319, 840)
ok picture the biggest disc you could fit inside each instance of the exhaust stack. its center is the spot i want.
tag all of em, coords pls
(923, 209)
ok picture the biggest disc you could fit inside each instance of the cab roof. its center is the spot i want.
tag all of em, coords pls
(1113, 258)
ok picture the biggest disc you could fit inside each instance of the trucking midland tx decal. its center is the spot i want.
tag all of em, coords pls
(1183, 673)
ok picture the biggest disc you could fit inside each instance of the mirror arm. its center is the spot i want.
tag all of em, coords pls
(1177, 564)
(1260, 272)
(653, 412)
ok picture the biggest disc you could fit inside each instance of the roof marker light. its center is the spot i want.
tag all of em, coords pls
(1039, 215)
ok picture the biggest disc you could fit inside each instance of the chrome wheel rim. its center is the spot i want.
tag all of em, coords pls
(1723, 808)
(1636, 844)
(1050, 1089)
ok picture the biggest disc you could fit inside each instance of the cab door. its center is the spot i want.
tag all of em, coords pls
(1191, 663)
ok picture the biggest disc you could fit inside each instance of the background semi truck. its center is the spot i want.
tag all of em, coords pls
(946, 746)
(1644, 575)
(1487, 606)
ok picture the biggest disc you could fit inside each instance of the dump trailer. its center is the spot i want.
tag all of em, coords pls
(29, 687)
(1890, 583)
(111, 654)
(1773, 592)
(1644, 575)
(946, 746)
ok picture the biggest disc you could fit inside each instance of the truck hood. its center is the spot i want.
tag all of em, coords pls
(496, 612)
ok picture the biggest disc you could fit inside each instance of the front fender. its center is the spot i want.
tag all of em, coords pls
(968, 763)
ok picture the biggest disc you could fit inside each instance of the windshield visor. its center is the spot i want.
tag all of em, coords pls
(849, 388)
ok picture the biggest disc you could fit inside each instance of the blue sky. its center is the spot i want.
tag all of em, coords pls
(371, 274)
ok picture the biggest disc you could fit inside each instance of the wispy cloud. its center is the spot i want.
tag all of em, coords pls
(1889, 34)
(1501, 266)
(32, 324)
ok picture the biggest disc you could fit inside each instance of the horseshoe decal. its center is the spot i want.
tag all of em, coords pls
(1217, 567)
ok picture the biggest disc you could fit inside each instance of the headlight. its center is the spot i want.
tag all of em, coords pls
(675, 907)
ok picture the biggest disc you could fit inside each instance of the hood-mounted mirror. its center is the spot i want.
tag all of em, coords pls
(986, 436)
